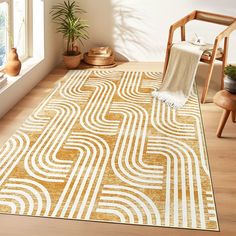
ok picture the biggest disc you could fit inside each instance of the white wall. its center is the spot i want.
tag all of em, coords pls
(52, 53)
(138, 29)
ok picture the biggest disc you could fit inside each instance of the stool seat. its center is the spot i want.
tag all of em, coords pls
(225, 100)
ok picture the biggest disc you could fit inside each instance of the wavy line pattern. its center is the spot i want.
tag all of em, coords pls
(93, 118)
(100, 148)
(121, 199)
(129, 88)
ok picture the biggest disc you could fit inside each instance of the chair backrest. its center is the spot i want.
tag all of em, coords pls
(214, 18)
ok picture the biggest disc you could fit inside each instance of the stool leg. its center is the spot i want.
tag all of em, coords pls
(223, 120)
(234, 116)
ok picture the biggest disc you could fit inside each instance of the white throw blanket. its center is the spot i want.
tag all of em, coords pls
(180, 74)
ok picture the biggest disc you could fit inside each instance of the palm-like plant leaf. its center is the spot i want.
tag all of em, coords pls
(69, 24)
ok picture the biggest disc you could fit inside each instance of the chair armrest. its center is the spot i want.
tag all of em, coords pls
(183, 21)
(226, 32)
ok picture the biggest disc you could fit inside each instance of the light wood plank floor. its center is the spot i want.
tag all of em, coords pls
(222, 155)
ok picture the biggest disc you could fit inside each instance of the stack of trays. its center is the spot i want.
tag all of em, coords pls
(100, 56)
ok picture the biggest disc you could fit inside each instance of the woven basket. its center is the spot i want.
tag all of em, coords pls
(99, 61)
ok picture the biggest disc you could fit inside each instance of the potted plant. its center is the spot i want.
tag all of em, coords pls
(73, 29)
(230, 78)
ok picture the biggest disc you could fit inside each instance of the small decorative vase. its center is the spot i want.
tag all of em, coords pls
(13, 65)
(230, 84)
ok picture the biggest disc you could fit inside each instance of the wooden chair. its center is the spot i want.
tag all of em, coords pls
(228, 21)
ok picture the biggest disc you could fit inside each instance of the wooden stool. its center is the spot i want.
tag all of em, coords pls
(227, 101)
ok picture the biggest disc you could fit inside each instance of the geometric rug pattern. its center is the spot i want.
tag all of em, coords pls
(100, 148)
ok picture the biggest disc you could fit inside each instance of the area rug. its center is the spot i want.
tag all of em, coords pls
(100, 148)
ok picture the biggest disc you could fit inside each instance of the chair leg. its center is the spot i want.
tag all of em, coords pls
(166, 62)
(207, 83)
(223, 120)
(234, 116)
(224, 61)
(211, 66)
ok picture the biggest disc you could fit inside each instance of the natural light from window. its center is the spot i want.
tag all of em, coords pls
(19, 27)
(3, 31)
(13, 24)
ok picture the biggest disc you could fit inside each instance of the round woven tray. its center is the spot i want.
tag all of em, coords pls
(99, 61)
(85, 65)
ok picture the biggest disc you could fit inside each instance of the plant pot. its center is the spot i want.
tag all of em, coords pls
(230, 84)
(13, 65)
(72, 62)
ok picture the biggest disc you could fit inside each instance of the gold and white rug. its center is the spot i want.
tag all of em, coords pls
(100, 148)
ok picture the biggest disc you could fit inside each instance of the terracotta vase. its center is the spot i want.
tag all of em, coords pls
(13, 65)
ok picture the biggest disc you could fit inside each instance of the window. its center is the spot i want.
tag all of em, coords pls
(3, 31)
(19, 27)
(13, 28)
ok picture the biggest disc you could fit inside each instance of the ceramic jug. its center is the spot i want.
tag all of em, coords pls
(13, 65)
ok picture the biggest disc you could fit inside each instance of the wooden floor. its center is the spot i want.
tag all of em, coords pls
(222, 155)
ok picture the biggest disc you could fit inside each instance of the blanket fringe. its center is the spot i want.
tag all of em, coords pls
(169, 100)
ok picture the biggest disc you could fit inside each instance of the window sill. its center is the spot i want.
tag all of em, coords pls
(27, 66)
